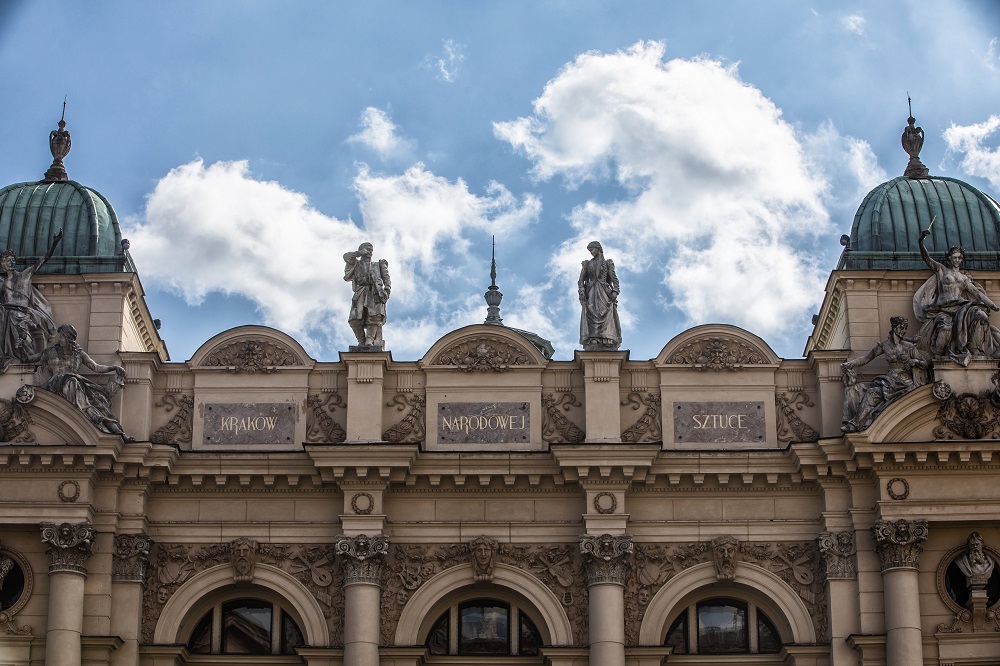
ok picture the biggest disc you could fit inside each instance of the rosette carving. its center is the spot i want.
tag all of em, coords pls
(69, 546)
(252, 356)
(485, 354)
(899, 542)
(718, 354)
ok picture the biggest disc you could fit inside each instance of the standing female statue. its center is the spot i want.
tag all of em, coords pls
(598, 287)
(954, 310)
(25, 316)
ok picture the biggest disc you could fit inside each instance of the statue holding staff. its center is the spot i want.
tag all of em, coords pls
(25, 316)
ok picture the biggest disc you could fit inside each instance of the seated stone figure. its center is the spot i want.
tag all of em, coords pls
(864, 401)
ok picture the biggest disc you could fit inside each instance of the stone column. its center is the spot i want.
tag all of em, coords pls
(605, 557)
(898, 544)
(69, 546)
(839, 552)
(361, 557)
(128, 576)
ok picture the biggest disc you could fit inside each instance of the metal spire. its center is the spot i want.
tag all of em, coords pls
(493, 295)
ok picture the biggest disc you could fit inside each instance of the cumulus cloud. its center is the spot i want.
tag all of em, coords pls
(379, 133)
(854, 23)
(447, 63)
(721, 195)
(217, 228)
(978, 159)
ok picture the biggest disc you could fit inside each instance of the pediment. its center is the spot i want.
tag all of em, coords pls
(483, 348)
(41, 417)
(718, 347)
(920, 417)
(250, 350)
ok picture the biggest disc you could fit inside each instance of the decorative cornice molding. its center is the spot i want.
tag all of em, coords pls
(410, 428)
(485, 354)
(605, 557)
(69, 546)
(839, 553)
(556, 427)
(362, 558)
(718, 353)
(178, 428)
(899, 542)
(252, 356)
(131, 557)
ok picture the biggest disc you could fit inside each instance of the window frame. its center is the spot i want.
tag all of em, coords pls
(213, 604)
(517, 606)
(688, 606)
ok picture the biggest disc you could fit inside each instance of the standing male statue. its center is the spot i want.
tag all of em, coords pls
(371, 290)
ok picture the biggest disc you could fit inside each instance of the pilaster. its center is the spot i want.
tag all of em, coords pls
(365, 377)
(128, 575)
(601, 380)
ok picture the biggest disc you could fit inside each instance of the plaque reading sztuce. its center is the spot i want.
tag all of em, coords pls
(719, 422)
(484, 422)
(251, 424)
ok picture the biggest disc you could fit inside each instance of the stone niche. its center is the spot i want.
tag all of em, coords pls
(250, 390)
(483, 390)
(717, 384)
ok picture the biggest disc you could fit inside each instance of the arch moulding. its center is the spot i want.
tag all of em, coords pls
(504, 575)
(762, 581)
(194, 590)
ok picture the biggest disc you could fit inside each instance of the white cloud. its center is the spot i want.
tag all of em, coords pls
(854, 23)
(722, 195)
(978, 159)
(217, 228)
(992, 58)
(446, 65)
(379, 133)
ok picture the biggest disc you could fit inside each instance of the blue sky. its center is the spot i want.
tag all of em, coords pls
(718, 150)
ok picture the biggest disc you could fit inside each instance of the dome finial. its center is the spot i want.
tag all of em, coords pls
(59, 145)
(913, 141)
(493, 295)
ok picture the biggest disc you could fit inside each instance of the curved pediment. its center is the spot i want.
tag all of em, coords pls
(915, 418)
(45, 418)
(483, 348)
(717, 347)
(251, 349)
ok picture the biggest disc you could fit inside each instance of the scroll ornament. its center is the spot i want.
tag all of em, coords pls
(69, 546)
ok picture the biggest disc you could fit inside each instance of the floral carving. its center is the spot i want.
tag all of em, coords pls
(178, 428)
(556, 427)
(14, 422)
(969, 416)
(790, 426)
(411, 427)
(838, 550)
(484, 355)
(131, 557)
(363, 557)
(717, 353)
(647, 427)
(251, 356)
(606, 557)
(899, 543)
(69, 546)
(320, 426)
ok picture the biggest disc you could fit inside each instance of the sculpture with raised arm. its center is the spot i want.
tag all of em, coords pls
(598, 289)
(371, 290)
(25, 316)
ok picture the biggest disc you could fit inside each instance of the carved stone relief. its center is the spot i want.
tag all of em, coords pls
(969, 416)
(484, 354)
(899, 543)
(724, 550)
(969, 566)
(178, 429)
(16, 583)
(648, 427)
(14, 422)
(251, 356)
(839, 553)
(362, 557)
(556, 427)
(483, 552)
(311, 565)
(244, 556)
(717, 353)
(410, 428)
(791, 428)
(69, 546)
(320, 424)
(131, 558)
(606, 557)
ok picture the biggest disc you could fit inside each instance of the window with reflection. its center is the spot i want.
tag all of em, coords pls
(485, 627)
(723, 626)
(246, 626)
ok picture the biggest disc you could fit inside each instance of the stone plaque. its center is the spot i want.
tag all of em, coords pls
(484, 422)
(719, 422)
(249, 424)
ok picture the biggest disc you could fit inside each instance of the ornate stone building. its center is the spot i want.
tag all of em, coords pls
(485, 504)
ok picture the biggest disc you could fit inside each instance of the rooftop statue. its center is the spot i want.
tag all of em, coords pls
(25, 316)
(598, 288)
(864, 401)
(954, 310)
(371, 291)
(59, 366)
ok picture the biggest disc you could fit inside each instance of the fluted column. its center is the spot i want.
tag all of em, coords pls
(128, 576)
(898, 544)
(605, 558)
(69, 546)
(362, 558)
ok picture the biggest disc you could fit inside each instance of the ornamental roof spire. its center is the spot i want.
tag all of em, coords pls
(493, 295)
(913, 141)
(59, 145)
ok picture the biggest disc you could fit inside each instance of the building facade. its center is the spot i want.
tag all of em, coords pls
(486, 504)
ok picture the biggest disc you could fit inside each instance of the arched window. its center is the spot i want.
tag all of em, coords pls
(485, 627)
(723, 625)
(246, 625)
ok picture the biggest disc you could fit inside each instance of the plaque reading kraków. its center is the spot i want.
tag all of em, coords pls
(249, 424)
(719, 422)
(484, 422)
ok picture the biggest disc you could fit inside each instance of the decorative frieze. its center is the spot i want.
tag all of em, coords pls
(791, 428)
(362, 557)
(556, 427)
(131, 557)
(718, 354)
(69, 546)
(251, 356)
(178, 429)
(839, 553)
(410, 428)
(320, 424)
(647, 428)
(605, 557)
(899, 542)
(486, 354)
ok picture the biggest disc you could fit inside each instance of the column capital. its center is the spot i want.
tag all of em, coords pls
(838, 550)
(605, 557)
(899, 542)
(131, 557)
(69, 546)
(362, 557)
